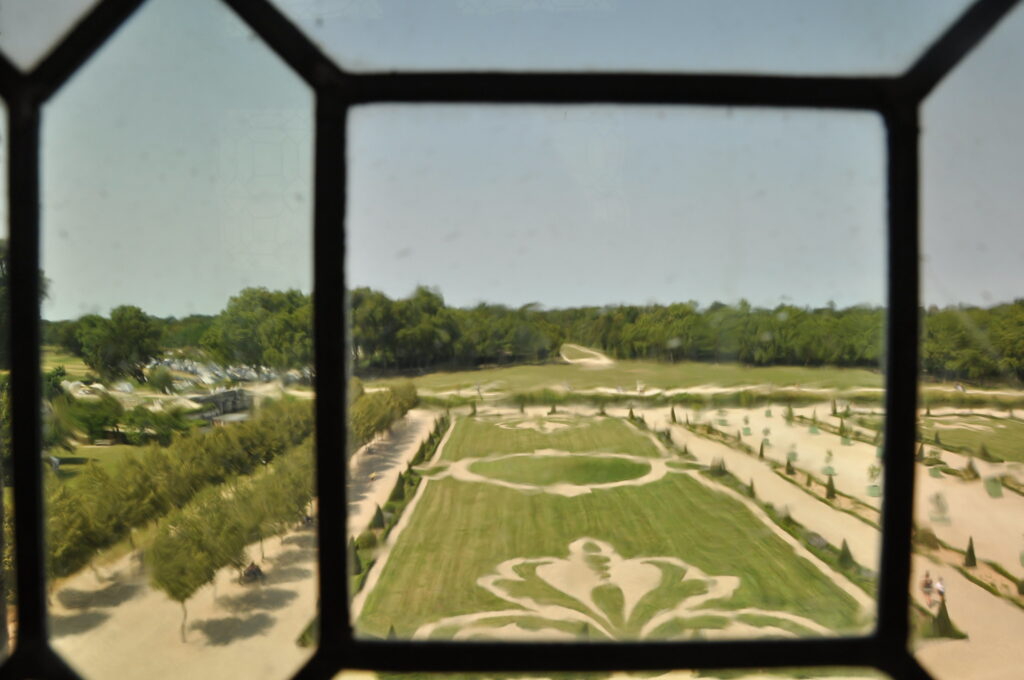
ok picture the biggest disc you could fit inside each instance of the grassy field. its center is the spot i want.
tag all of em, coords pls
(460, 532)
(478, 437)
(544, 471)
(1003, 437)
(73, 462)
(54, 357)
(625, 374)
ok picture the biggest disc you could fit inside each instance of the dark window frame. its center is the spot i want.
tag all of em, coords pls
(896, 98)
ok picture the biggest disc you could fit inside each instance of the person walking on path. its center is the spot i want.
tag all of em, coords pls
(926, 587)
(940, 588)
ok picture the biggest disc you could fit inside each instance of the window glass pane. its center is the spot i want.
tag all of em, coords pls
(645, 344)
(7, 582)
(806, 36)
(29, 30)
(970, 479)
(177, 242)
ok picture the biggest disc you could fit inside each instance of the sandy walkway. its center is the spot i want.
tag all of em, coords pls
(374, 468)
(996, 524)
(118, 627)
(993, 650)
(403, 521)
(115, 625)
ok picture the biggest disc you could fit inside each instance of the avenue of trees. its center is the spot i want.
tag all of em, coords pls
(212, 530)
(104, 506)
(421, 332)
(370, 413)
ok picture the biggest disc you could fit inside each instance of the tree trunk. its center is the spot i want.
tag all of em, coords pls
(184, 619)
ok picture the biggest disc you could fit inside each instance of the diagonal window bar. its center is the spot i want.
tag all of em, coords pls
(896, 99)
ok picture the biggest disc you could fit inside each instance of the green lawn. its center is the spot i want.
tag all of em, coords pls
(460, 532)
(54, 357)
(1003, 437)
(73, 462)
(625, 374)
(550, 470)
(479, 437)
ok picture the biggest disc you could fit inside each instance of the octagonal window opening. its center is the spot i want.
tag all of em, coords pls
(901, 190)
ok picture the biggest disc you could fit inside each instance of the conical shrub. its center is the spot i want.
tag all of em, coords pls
(845, 557)
(378, 519)
(969, 558)
(942, 626)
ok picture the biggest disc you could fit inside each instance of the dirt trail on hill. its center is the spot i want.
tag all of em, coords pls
(595, 359)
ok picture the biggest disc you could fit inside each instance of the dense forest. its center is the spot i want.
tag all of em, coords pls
(421, 333)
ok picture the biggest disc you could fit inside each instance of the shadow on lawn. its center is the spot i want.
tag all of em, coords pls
(224, 631)
(110, 596)
(264, 598)
(75, 623)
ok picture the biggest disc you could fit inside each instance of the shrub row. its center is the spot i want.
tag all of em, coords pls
(104, 507)
(374, 412)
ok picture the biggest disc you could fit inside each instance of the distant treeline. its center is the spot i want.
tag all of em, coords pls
(258, 327)
(421, 332)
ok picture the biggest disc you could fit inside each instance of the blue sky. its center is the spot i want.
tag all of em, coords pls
(177, 165)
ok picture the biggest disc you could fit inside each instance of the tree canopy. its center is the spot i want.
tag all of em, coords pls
(260, 327)
(119, 346)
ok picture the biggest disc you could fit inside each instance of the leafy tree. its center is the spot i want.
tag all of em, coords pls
(969, 558)
(121, 345)
(830, 488)
(178, 563)
(789, 468)
(259, 327)
(5, 352)
(51, 383)
(160, 379)
(97, 416)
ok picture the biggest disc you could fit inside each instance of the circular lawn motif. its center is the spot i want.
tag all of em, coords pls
(559, 472)
(573, 469)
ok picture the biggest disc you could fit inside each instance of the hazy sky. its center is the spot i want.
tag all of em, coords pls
(177, 165)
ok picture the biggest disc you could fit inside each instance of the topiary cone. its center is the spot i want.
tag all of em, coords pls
(969, 559)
